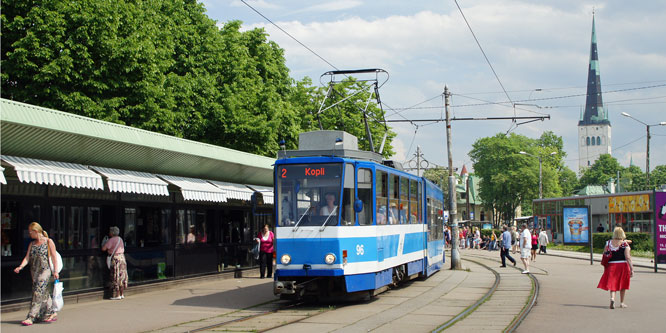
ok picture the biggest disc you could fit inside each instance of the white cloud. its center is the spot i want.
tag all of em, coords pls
(257, 4)
(331, 6)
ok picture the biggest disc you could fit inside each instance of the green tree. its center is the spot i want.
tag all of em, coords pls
(658, 176)
(506, 179)
(632, 179)
(603, 169)
(568, 182)
(162, 66)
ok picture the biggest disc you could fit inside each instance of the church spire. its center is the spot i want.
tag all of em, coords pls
(594, 106)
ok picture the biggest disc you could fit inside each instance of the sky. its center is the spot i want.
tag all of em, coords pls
(539, 52)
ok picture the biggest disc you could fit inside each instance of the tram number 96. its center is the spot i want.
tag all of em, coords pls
(359, 250)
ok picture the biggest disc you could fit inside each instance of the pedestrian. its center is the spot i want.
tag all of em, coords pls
(470, 238)
(525, 247)
(535, 243)
(600, 228)
(543, 241)
(447, 237)
(476, 238)
(40, 250)
(115, 247)
(505, 246)
(493, 241)
(619, 271)
(266, 249)
(514, 240)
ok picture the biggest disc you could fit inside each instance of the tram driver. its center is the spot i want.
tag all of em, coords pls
(330, 207)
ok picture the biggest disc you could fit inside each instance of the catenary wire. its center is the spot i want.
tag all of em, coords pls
(483, 52)
(292, 37)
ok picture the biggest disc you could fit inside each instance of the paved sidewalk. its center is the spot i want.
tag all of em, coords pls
(152, 310)
(569, 300)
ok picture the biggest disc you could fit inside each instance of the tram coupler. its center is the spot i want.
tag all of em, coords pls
(284, 287)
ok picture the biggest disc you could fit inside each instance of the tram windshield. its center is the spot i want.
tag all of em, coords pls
(309, 195)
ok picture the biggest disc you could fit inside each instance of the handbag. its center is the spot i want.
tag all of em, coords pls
(58, 264)
(605, 257)
(58, 302)
(108, 258)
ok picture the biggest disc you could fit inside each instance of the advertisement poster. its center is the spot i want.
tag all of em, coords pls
(660, 219)
(576, 225)
(629, 203)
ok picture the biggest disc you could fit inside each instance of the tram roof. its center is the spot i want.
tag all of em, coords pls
(36, 132)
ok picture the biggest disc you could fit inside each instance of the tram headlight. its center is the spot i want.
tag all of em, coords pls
(329, 258)
(285, 259)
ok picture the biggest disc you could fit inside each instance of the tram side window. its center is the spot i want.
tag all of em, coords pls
(348, 214)
(364, 181)
(413, 205)
(419, 199)
(404, 200)
(382, 197)
(394, 188)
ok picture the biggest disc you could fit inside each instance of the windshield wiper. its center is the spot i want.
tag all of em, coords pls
(301, 218)
(323, 226)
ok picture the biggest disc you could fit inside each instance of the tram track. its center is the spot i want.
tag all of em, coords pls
(532, 299)
(280, 307)
(280, 314)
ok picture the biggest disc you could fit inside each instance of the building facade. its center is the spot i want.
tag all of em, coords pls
(594, 128)
(632, 211)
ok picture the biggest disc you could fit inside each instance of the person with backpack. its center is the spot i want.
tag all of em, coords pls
(40, 250)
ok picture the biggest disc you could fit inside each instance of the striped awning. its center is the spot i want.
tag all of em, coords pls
(30, 170)
(2, 176)
(196, 189)
(128, 181)
(234, 191)
(266, 192)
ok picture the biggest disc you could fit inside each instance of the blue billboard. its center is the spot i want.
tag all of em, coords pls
(576, 225)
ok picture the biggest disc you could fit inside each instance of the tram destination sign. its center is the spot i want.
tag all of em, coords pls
(312, 171)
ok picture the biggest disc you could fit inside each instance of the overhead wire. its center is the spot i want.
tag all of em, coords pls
(290, 36)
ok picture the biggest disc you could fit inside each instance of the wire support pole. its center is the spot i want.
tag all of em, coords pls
(453, 211)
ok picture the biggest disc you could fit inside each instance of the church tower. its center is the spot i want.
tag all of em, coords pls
(594, 128)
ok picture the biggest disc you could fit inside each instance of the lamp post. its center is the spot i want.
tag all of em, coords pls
(539, 157)
(647, 149)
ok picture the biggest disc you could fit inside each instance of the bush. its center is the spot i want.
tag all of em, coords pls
(640, 241)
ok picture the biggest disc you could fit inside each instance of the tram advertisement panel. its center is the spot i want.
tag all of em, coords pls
(660, 226)
(576, 225)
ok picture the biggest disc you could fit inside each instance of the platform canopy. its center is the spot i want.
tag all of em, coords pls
(196, 189)
(128, 181)
(31, 170)
(36, 132)
(234, 191)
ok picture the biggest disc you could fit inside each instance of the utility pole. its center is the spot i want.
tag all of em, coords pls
(455, 253)
(647, 160)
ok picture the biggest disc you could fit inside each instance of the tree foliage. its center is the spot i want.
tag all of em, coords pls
(510, 179)
(162, 66)
(603, 169)
(658, 176)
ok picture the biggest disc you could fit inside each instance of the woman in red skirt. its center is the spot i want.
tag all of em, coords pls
(620, 270)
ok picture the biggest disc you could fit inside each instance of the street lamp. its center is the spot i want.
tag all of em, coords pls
(540, 181)
(647, 154)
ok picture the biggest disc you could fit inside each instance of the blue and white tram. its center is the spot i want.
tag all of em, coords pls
(349, 226)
